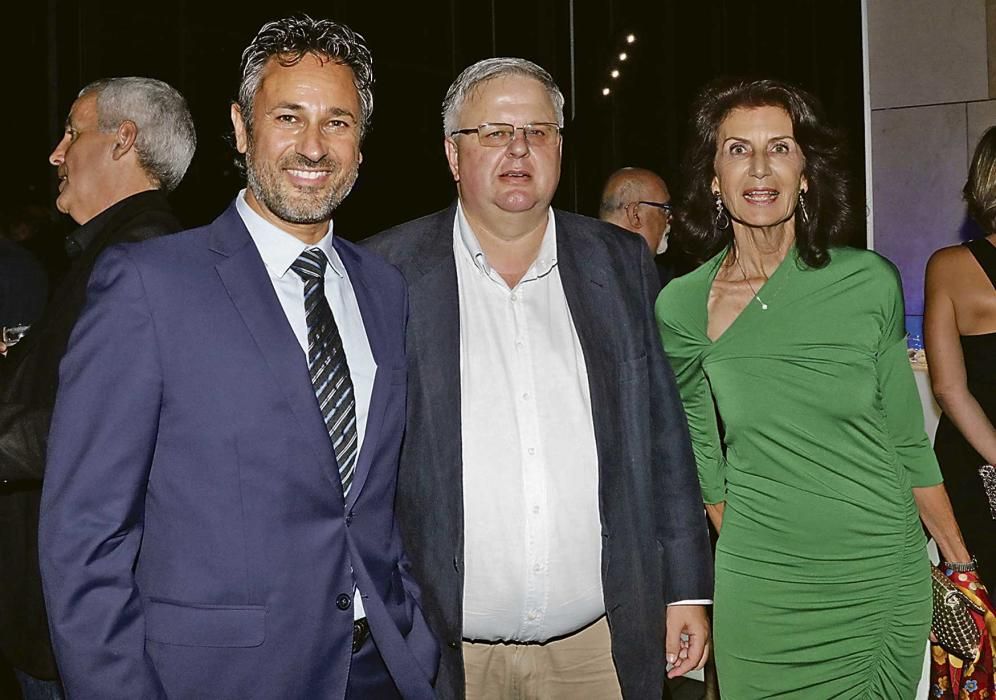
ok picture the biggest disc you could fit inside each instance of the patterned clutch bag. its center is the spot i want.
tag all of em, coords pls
(988, 474)
(952, 621)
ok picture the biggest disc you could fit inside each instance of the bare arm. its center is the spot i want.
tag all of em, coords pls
(936, 513)
(948, 379)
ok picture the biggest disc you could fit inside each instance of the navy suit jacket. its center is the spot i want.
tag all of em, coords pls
(655, 546)
(194, 541)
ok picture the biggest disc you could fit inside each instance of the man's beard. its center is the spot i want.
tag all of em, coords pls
(297, 205)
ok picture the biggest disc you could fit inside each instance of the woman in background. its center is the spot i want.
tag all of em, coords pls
(960, 330)
(822, 467)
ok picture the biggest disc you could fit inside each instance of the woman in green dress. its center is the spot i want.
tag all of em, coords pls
(805, 419)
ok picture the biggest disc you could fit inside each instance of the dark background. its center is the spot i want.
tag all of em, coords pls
(418, 49)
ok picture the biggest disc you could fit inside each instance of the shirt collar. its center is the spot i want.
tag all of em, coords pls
(84, 236)
(278, 248)
(546, 258)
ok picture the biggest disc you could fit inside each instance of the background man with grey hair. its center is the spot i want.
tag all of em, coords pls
(547, 491)
(225, 520)
(638, 200)
(127, 142)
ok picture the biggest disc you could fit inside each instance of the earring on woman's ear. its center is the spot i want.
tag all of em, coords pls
(802, 207)
(722, 219)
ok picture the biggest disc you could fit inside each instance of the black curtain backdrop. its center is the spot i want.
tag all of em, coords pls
(418, 50)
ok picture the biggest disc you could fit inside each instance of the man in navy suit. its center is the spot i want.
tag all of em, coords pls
(218, 509)
(547, 490)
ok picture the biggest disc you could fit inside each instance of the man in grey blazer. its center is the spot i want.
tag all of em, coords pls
(547, 490)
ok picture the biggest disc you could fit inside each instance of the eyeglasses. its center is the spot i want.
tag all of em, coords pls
(659, 205)
(499, 134)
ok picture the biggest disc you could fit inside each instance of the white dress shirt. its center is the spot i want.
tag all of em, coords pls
(279, 250)
(532, 532)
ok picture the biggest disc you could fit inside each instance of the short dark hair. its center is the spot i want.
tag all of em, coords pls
(291, 39)
(828, 201)
(980, 189)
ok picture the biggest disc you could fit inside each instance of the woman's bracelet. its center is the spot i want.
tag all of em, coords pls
(962, 567)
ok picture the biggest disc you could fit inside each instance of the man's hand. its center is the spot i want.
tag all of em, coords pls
(686, 638)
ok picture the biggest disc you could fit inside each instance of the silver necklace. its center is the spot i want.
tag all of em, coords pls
(764, 307)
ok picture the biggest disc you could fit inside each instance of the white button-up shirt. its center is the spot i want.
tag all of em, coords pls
(279, 250)
(532, 529)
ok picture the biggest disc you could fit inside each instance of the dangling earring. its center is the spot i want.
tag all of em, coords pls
(722, 220)
(802, 207)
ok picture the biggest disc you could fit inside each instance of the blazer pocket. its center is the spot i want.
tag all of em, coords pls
(181, 624)
(634, 370)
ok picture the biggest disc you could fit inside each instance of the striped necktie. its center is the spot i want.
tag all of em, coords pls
(327, 364)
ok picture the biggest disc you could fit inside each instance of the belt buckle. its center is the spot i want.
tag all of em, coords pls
(361, 631)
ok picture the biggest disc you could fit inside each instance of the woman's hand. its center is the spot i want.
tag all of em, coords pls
(715, 513)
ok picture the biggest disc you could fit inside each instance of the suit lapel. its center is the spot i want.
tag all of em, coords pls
(245, 278)
(582, 274)
(434, 353)
(378, 338)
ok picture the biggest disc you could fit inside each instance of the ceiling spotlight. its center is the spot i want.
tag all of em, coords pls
(614, 73)
(605, 92)
(623, 56)
(630, 38)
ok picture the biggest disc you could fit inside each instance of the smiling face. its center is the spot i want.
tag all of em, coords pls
(303, 154)
(84, 163)
(759, 166)
(517, 178)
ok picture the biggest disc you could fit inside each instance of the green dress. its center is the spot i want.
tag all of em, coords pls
(805, 420)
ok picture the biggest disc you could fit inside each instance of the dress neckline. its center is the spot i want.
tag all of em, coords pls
(777, 274)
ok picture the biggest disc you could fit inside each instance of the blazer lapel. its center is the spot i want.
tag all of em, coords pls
(433, 346)
(584, 283)
(245, 278)
(582, 273)
(378, 339)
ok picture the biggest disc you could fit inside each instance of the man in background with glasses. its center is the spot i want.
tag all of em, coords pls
(638, 200)
(547, 491)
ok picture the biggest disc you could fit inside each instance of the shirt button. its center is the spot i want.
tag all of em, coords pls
(513, 298)
(535, 510)
(532, 615)
(525, 397)
(531, 450)
(343, 601)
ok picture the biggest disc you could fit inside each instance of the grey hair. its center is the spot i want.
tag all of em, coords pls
(292, 38)
(166, 137)
(489, 69)
(627, 185)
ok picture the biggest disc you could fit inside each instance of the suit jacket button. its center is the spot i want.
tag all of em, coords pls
(453, 645)
(343, 601)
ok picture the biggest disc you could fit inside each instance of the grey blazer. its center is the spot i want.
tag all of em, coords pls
(655, 546)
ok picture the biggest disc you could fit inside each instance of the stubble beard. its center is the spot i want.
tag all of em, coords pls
(297, 205)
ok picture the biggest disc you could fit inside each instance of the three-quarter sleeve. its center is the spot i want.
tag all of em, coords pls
(900, 398)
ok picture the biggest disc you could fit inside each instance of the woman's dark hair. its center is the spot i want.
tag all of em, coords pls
(980, 190)
(827, 196)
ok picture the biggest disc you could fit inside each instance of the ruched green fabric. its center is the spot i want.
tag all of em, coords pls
(805, 420)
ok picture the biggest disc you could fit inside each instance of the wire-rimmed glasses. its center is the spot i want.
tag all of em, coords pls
(500, 134)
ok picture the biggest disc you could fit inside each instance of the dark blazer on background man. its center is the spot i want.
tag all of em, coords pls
(655, 546)
(28, 380)
(194, 541)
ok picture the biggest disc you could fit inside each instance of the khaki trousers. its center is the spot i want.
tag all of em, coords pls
(570, 668)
